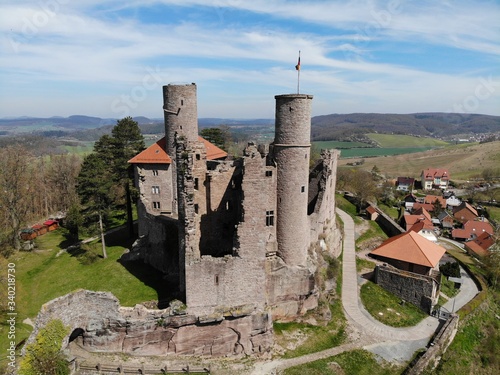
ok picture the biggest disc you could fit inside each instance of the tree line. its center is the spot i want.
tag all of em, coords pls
(35, 187)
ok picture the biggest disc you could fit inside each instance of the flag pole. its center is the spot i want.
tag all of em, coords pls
(298, 74)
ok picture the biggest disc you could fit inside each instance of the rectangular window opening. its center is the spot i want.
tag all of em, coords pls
(303, 189)
(196, 183)
(155, 172)
(269, 218)
(155, 189)
(269, 173)
(156, 205)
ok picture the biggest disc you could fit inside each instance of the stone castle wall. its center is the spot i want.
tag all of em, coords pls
(416, 289)
(107, 327)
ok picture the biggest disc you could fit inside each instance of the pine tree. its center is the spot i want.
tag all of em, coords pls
(94, 187)
(126, 142)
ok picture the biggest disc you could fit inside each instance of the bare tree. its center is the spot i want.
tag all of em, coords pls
(16, 189)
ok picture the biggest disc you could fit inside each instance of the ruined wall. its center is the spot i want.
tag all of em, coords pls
(107, 327)
(416, 289)
(322, 217)
(238, 279)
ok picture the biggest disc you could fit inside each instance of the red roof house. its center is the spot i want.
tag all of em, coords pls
(480, 245)
(410, 252)
(435, 178)
(472, 229)
(465, 212)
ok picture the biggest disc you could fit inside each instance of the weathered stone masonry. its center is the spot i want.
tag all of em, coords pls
(235, 236)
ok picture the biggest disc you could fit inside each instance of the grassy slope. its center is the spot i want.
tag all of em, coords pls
(463, 161)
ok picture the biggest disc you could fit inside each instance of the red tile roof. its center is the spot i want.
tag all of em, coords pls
(481, 244)
(431, 173)
(154, 154)
(411, 247)
(472, 227)
(432, 198)
(213, 152)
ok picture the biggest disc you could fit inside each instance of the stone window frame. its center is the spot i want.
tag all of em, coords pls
(155, 189)
(155, 172)
(156, 205)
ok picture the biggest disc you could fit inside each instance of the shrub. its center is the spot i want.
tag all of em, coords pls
(450, 269)
(44, 355)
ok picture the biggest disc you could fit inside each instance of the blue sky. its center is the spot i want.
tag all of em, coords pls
(109, 58)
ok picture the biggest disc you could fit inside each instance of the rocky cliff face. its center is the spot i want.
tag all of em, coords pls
(99, 324)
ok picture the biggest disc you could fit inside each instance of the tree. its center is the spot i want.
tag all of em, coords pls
(16, 189)
(44, 355)
(126, 142)
(437, 208)
(94, 185)
(218, 136)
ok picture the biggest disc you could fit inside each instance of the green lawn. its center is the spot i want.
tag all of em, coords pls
(356, 362)
(386, 307)
(48, 273)
(448, 287)
(373, 232)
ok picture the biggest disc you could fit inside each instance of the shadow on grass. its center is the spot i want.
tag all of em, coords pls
(166, 286)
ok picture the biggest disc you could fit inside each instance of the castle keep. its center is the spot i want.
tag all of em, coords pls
(240, 241)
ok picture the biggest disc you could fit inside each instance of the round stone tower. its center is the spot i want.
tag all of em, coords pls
(181, 117)
(292, 146)
(181, 114)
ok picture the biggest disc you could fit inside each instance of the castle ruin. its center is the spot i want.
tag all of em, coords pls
(239, 240)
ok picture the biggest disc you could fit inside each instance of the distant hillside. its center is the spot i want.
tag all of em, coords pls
(437, 125)
(346, 127)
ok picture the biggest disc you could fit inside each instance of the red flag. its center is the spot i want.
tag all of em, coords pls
(297, 67)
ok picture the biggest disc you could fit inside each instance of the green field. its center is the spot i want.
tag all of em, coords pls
(373, 152)
(405, 141)
(390, 144)
(79, 148)
(327, 145)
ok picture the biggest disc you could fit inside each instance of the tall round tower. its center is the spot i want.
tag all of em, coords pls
(181, 117)
(292, 146)
(181, 114)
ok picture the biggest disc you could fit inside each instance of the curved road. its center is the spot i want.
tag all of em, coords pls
(353, 308)
(392, 344)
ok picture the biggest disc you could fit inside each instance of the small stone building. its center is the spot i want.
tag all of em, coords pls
(411, 270)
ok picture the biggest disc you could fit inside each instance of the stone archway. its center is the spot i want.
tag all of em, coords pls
(78, 336)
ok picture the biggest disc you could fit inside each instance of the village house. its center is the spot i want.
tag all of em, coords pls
(411, 268)
(465, 212)
(419, 215)
(480, 246)
(405, 183)
(435, 178)
(446, 220)
(471, 230)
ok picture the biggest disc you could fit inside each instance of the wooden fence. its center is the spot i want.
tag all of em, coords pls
(84, 368)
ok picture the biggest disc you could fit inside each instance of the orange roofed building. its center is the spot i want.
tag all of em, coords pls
(410, 252)
(412, 273)
(154, 178)
(435, 178)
